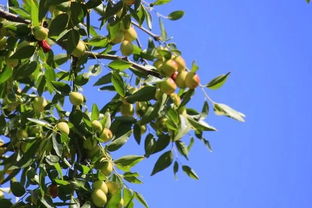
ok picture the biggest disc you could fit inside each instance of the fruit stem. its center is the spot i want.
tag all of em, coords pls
(202, 87)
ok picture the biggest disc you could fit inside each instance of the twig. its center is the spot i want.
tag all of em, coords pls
(13, 17)
(156, 37)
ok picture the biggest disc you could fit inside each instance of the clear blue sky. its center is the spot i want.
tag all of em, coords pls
(267, 161)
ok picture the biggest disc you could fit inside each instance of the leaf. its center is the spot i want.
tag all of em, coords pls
(5, 74)
(190, 172)
(17, 189)
(104, 80)
(163, 162)
(144, 94)
(182, 149)
(225, 110)
(118, 84)
(34, 12)
(218, 82)
(200, 125)
(125, 163)
(119, 65)
(39, 121)
(160, 2)
(58, 24)
(141, 199)
(24, 52)
(61, 87)
(175, 168)
(162, 30)
(95, 112)
(93, 3)
(119, 142)
(176, 15)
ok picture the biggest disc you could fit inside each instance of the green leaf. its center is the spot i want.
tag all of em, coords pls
(141, 199)
(182, 148)
(176, 15)
(34, 12)
(118, 84)
(17, 189)
(175, 168)
(119, 142)
(61, 87)
(104, 80)
(163, 162)
(163, 33)
(119, 65)
(160, 2)
(225, 110)
(43, 9)
(5, 203)
(39, 121)
(190, 172)
(200, 125)
(93, 3)
(95, 112)
(125, 163)
(218, 82)
(132, 178)
(58, 24)
(24, 52)
(5, 74)
(144, 94)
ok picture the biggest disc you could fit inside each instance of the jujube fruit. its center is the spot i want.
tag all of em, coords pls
(113, 187)
(126, 48)
(63, 127)
(39, 104)
(167, 86)
(40, 33)
(169, 67)
(130, 34)
(106, 135)
(180, 79)
(181, 63)
(126, 109)
(117, 37)
(96, 125)
(100, 185)
(76, 98)
(107, 169)
(99, 198)
(79, 50)
(175, 99)
(192, 80)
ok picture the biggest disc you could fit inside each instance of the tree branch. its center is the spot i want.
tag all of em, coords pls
(156, 37)
(15, 18)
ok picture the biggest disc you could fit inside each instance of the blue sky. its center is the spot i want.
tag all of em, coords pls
(265, 162)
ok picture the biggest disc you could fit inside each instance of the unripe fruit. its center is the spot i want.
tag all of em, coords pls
(40, 33)
(126, 48)
(100, 185)
(192, 80)
(169, 67)
(158, 63)
(129, 2)
(63, 127)
(76, 98)
(126, 109)
(21, 134)
(107, 169)
(180, 79)
(181, 63)
(106, 135)
(167, 86)
(118, 37)
(39, 104)
(97, 126)
(130, 34)
(53, 190)
(175, 99)
(99, 198)
(79, 50)
(112, 187)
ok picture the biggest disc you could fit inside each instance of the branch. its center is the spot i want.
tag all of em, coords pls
(156, 37)
(15, 18)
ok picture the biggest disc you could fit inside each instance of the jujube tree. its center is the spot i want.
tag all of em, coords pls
(56, 146)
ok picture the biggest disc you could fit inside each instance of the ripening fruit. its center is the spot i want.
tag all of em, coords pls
(175, 99)
(63, 127)
(76, 98)
(181, 63)
(53, 190)
(126, 48)
(97, 126)
(40, 33)
(167, 86)
(79, 50)
(169, 67)
(106, 135)
(129, 2)
(126, 109)
(107, 169)
(100, 185)
(39, 104)
(118, 37)
(99, 198)
(192, 80)
(44, 45)
(112, 187)
(180, 79)
(130, 34)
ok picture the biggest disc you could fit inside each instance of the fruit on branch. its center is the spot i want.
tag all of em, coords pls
(181, 63)
(174, 76)
(44, 45)
(100, 185)
(40, 32)
(80, 49)
(63, 127)
(53, 190)
(98, 198)
(117, 37)
(107, 168)
(106, 135)
(39, 104)
(129, 2)
(126, 48)
(130, 34)
(97, 126)
(76, 98)
(175, 99)
(192, 80)
(21, 133)
(167, 86)
(113, 187)
(180, 79)
(169, 67)
(126, 109)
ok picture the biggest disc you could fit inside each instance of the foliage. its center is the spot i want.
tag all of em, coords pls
(55, 150)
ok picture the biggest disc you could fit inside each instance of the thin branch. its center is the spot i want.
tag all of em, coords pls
(156, 37)
(13, 17)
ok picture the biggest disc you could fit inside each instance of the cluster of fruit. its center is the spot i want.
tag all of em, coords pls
(102, 191)
(125, 36)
